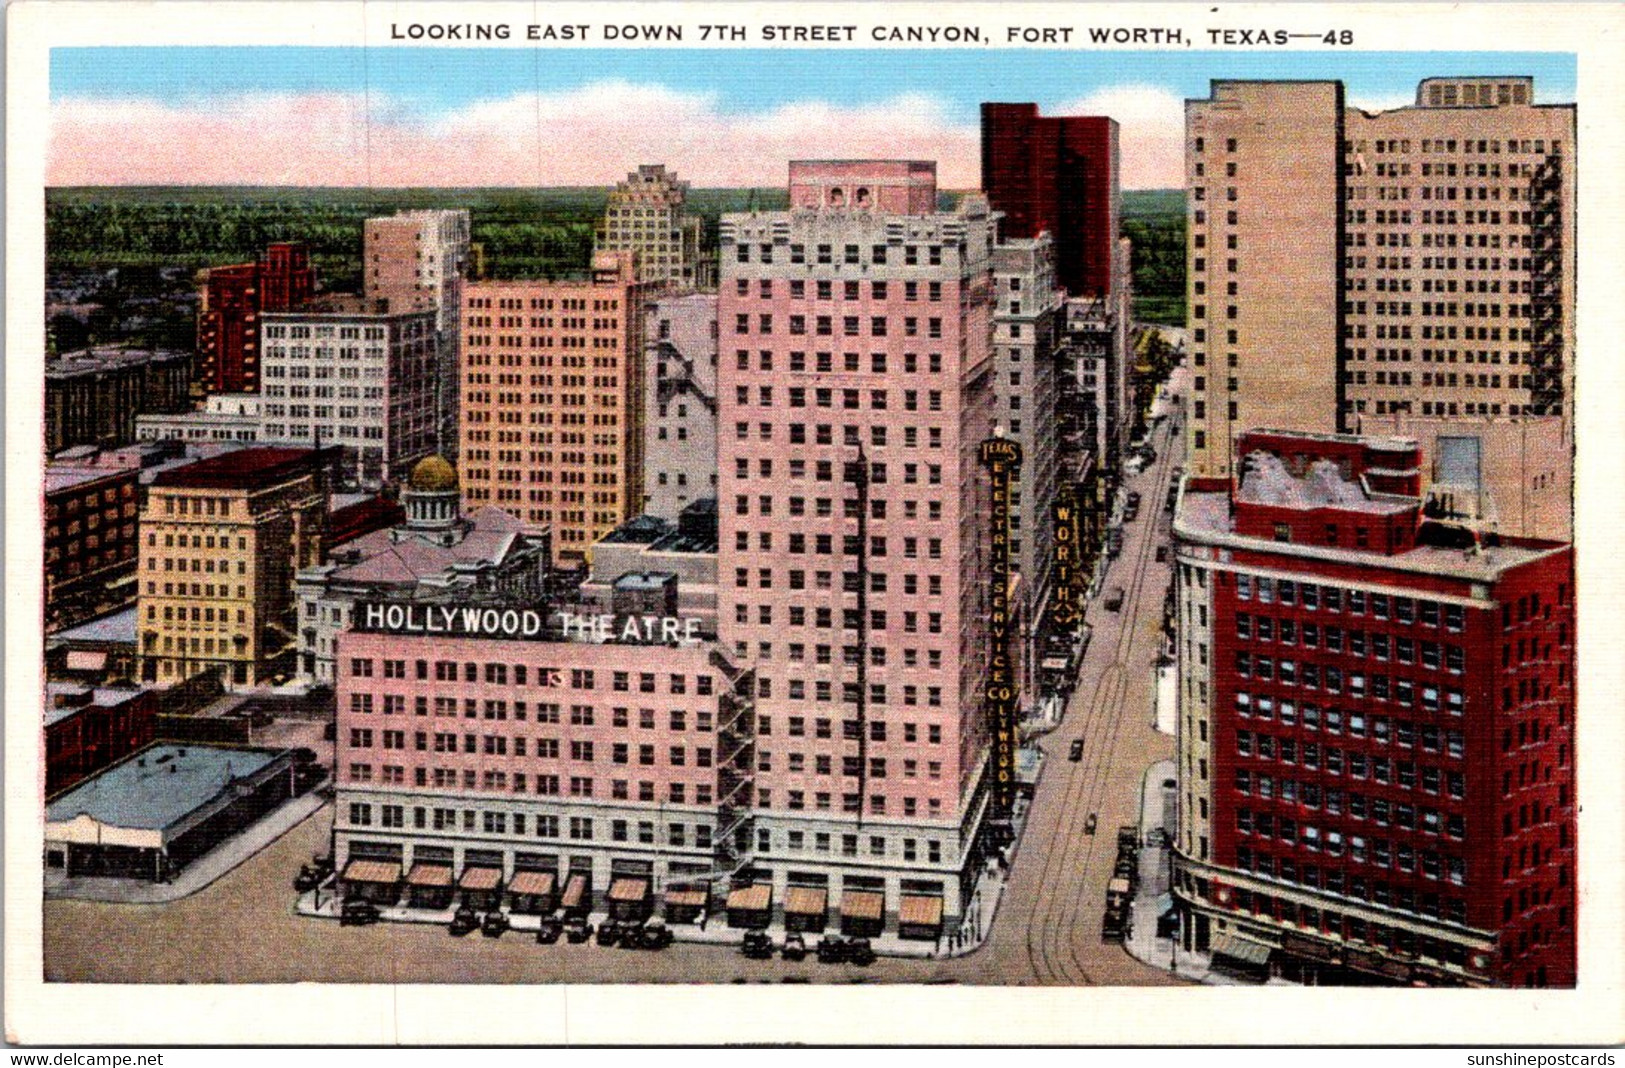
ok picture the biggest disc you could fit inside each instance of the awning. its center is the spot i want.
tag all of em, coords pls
(629, 890)
(372, 871)
(688, 897)
(86, 660)
(575, 891)
(751, 898)
(429, 875)
(919, 911)
(863, 904)
(480, 878)
(806, 901)
(537, 883)
(1241, 949)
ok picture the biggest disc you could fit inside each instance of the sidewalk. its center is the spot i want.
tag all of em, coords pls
(196, 875)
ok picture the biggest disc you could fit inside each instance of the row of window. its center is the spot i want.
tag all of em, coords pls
(545, 711)
(580, 828)
(824, 289)
(493, 780)
(850, 254)
(851, 362)
(502, 674)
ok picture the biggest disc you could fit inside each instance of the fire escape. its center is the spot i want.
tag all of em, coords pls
(736, 768)
(1546, 372)
(669, 386)
(855, 621)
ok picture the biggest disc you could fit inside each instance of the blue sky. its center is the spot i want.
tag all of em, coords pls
(429, 116)
(431, 80)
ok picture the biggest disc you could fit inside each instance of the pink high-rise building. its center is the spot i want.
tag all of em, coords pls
(854, 386)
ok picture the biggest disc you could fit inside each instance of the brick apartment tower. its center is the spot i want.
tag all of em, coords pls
(853, 389)
(1376, 727)
(416, 260)
(552, 401)
(1058, 175)
(1405, 272)
(232, 298)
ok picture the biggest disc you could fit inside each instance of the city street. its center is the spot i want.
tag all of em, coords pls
(242, 927)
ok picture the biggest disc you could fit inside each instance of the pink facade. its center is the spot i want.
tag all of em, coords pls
(853, 389)
(894, 187)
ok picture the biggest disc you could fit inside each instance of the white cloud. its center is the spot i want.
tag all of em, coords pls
(1151, 131)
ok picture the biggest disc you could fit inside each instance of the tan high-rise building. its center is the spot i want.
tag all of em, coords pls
(1443, 235)
(1262, 167)
(220, 541)
(552, 401)
(416, 261)
(645, 214)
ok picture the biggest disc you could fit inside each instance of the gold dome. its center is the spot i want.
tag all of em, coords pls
(433, 475)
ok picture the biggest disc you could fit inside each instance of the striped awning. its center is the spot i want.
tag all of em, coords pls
(629, 890)
(806, 900)
(918, 910)
(751, 898)
(429, 875)
(480, 878)
(575, 891)
(1241, 949)
(372, 871)
(688, 896)
(863, 904)
(537, 883)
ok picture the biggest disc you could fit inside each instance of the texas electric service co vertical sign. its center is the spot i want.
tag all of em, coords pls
(1003, 459)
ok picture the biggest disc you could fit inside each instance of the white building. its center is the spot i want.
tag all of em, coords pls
(348, 372)
(223, 417)
(680, 435)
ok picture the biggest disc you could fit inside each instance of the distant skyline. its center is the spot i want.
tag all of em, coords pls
(395, 116)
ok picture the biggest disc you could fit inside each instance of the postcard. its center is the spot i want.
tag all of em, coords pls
(890, 524)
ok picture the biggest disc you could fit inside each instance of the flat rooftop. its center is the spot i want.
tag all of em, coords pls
(1205, 516)
(249, 468)
(156, 787)
(116, 627)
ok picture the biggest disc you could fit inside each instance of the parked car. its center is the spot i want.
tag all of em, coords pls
(1075, 754)
(549, 930)
(832, 949)
(1162, 553)
(860, 952)
(1113, 927)
(1128, 837)
(358, 914)
(464, 921)
(577, 930)
(1133, 499)
(757, 945)
(655, 935)
(794, 948)
(1089, 824)
(309, 878)
(495, 924)
(1114, 599)
(609, 933)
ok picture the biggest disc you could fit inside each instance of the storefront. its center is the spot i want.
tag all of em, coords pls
(377, 881)
(1241, 956)
(687, 904)
(481, 887)
(577, 899)
(532, 892)
(630, 899)
(751, 906)
(863, 913)
(428, 886)
(919, 916)
(806, 908)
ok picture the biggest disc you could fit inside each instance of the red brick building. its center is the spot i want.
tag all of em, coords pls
(228, 328)
(87, 729)
(1058, 175)
(91, 505)
(1376, 728)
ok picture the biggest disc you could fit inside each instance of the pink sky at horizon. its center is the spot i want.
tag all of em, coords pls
(589, 136)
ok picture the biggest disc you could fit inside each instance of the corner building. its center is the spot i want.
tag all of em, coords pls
(853, 389)
(1376, 728)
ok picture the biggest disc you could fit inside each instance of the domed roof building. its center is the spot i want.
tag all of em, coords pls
(433, 475)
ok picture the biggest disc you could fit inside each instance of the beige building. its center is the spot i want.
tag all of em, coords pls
(552, 401)
(416, 261)
(645, 214)
(220, 541)
(1447, 227)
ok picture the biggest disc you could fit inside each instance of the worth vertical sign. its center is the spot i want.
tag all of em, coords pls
(1003, 460)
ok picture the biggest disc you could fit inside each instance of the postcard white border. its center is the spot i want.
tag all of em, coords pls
(37, 1012)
